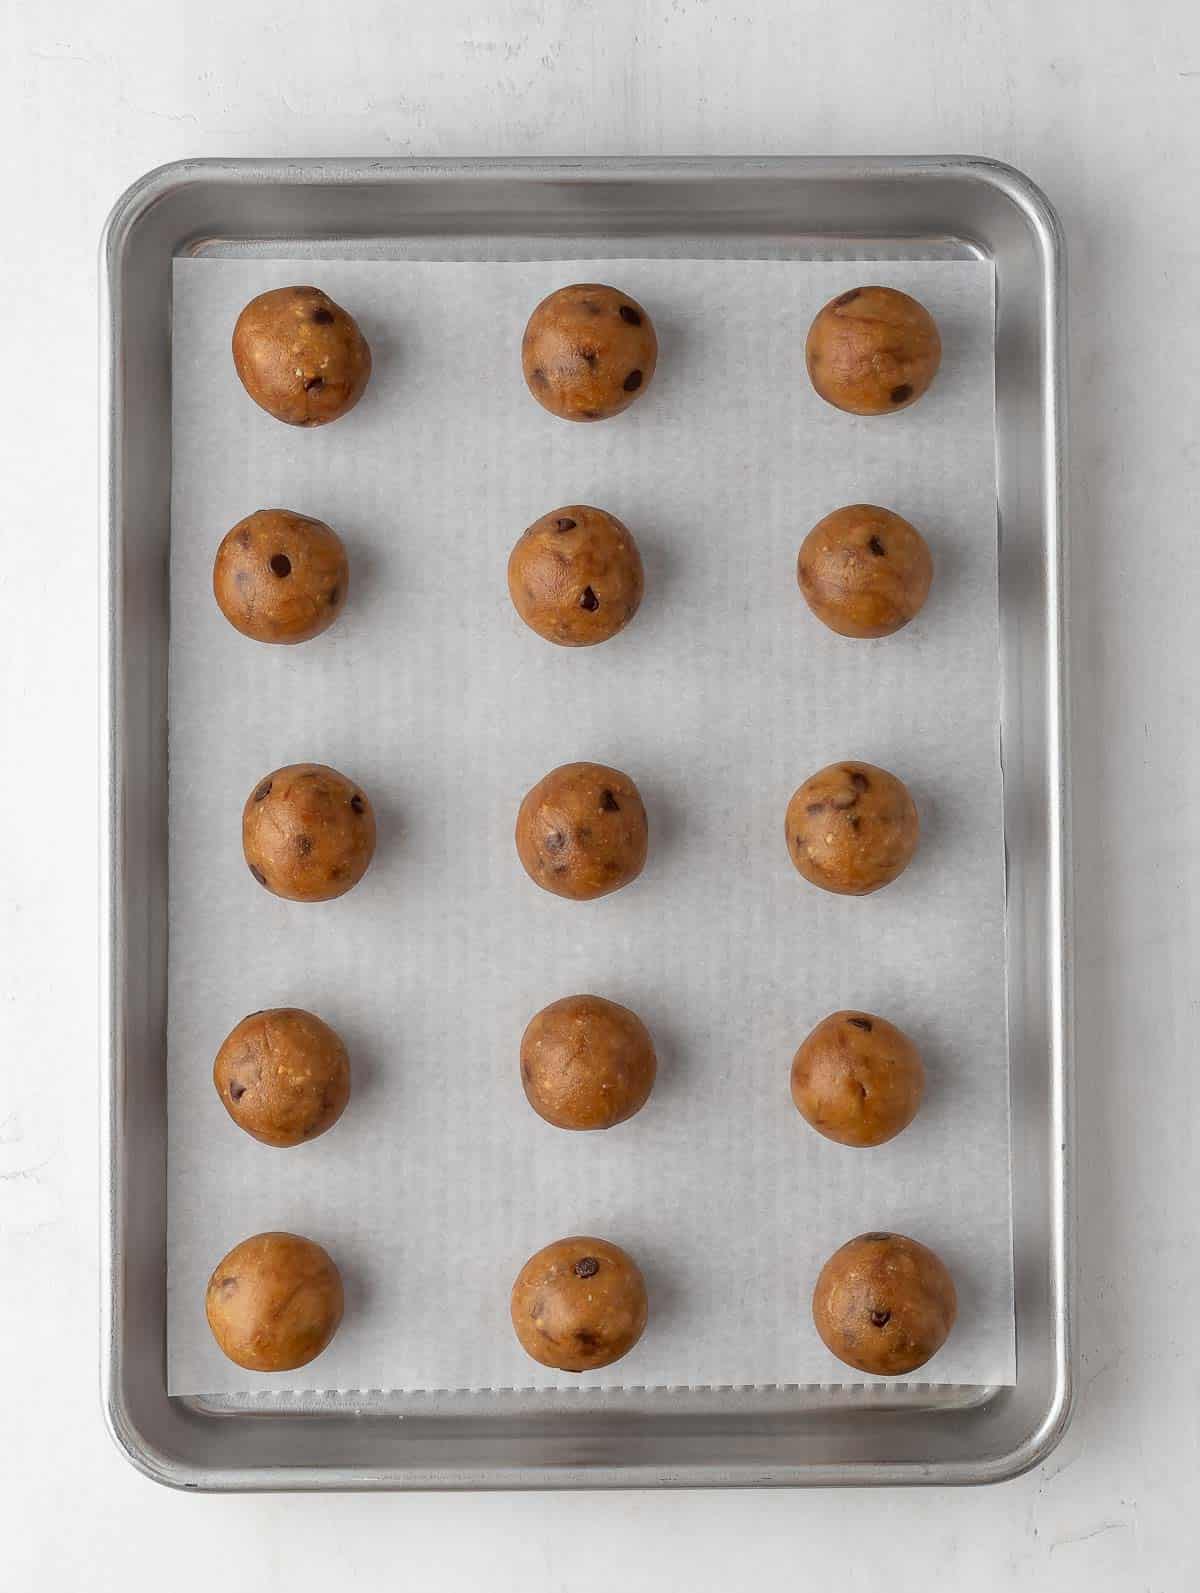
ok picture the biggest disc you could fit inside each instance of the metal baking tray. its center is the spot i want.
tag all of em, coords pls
(484, 209)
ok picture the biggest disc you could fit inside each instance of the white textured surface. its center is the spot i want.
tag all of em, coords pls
(721, 697)
(1102, 106)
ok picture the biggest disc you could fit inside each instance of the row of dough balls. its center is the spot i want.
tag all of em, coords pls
(883, 1304)
(575, 575)
(588, 352)
(308, 832)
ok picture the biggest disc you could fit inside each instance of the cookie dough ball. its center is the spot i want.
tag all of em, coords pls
(852, 828)
(280, 576)
(283, 1076)
(864, 571)
(579, 1304)
(884, 1304)
(581, 831)
(300, 356)
(575, 577)
(587, 1063)
(873, 350)
(588, 352)
(308, 833)
(857, 1079)
(274, 1302)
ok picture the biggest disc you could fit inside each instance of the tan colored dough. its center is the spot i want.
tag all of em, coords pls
(281, 576)
(579, 1304)
(588, 352)
(884, 1304)
(581, 831)
(864, 571)
(872, 351)
(575, 576)
(283, 1075)
(587, 1063)
(274, 1302)
(300, 356)
(857, 1079)
(852, 828)
(308, 833)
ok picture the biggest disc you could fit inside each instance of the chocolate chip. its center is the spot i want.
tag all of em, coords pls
(358, 803)
(314, 383)
(538, 375)
(608, 801)
(880, 1318)
(564, 523)
(858, 780)
(847, 298)
(335, 596)
(855, 820)
(586, 1339)
(228, 1285)
(632, 382)
(591, 306)
(258, 874)
(263, 791)
(555, 841)
(589, 600)
(628, 313)
(588, 354)
(815, 807)
(861, 1023)
(303, 845)
(280, 565)
(589, 414)
(236, 1091)
(322, 317)
(586, 1267)
(876, 547)
(901, 394)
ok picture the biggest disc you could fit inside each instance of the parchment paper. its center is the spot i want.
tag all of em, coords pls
(721, 697)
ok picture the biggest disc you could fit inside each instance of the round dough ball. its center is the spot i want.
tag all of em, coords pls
(857, 1079)
(873, 350)
(852, 828)
(274, 1302)
(587, 1063)
(581, 831)
(575, 577)
(579, 1304)
(588, 352)
(283, 1076)
(864, 571)
(308, 833)
(884, 1304)
(281, 576)
(300, 356)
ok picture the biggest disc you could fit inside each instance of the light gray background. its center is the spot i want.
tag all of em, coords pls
(1102, 106)
(720, 698)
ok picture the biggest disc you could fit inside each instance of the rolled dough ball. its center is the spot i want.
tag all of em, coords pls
(864, 571)
(873, 350)
(283, 1076)
(308, 833)
(852, 828)
(281, 576)
(587, 1063)
(581, 831)
(300, 356)
(857, 1079)
(588, 352)
(579, 1304)
(575, 576)
(274, 1302)
(884, 1304)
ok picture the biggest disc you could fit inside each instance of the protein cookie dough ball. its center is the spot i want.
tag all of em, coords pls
(575, 576)
(873, 350)
(857, 1079)
(579, 1304)
(884, 1304)
(300, 356)
(308, 833)
(581, 831)
(588, 351)
(281, 576)
(283, 1076)
(852, 828)
(864, 571)
(587, 1063)
(274, 1302)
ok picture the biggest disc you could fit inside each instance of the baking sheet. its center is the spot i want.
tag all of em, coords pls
(721, 697)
